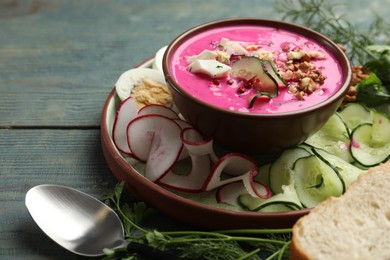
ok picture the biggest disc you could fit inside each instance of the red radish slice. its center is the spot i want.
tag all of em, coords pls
(126, 112)
(199, 151)
(155, 109)
(194, 181)
(237, 163)
(246, 172)
(156, 140)
(229, 193)
(195, 143)
(182, 123)
(262, 191)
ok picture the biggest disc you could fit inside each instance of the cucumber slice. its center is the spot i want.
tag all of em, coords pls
(348, 172)
(249, 68)
(288, 198)
(333, 137)
(368, 147)
(280, 172)
(381, 128)
(315, 181)
(278, 207)
(271, 69)
(354, 114)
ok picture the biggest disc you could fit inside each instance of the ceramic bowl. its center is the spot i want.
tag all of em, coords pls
(174, 205)
(247, 132)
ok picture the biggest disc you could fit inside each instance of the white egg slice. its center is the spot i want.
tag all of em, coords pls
(130, 78)
(157, 63)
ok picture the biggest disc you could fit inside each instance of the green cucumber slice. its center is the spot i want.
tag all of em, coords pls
(280, 171)
(288, 198)
(370, 144)
(354, 114)
(381, 128)
(348, 172)
(271, 69)
(278, 207)
(315, 181)
(333, 137)
(248, 68)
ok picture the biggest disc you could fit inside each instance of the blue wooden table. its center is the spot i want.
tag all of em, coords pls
(58, 62)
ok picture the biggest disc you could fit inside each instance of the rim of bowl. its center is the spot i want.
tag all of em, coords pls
(294, 28)
(108, 144)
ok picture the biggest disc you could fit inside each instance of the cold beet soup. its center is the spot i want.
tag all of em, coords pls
(256, 69)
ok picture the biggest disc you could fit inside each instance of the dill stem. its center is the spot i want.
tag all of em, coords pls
(252, 253)
(255, 231)
(125, 217)
(180, 240)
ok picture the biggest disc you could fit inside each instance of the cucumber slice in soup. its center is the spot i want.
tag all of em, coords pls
(348, 172)
(315, 181)
(248, 68)
(354, 114)
(333, 137)
(280, 172)
(271, 69)
(366, 148)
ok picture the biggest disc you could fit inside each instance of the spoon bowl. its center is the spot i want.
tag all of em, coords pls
(80, 223)
(75, 220)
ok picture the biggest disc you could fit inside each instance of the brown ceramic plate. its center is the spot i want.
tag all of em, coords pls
(198, 212)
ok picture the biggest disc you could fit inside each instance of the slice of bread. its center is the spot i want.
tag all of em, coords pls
(353, 226)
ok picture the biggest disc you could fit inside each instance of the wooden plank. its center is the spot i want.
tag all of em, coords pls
(31, 157)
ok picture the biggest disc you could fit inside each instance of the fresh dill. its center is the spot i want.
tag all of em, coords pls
(321, 16)
(224, 244)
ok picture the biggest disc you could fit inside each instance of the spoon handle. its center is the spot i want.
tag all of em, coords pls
(150, 252)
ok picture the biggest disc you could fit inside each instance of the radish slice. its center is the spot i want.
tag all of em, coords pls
(195, 143)
(155, 109)
(229, 193)
(194, 181)
(182, 123)
(155, 139)
(126, 112)
(237, 163)
(245, 174)
(199, 151)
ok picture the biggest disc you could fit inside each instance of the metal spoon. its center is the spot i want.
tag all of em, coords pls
(81, 223)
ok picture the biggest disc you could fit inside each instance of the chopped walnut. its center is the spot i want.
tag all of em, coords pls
(305, 66)
(263, 55)
(295, 55)
(316, 55)
(358, 73)
(308, 85)
(252, 47)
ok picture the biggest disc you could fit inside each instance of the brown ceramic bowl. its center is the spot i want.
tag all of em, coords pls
(171, 204)
(248, 132)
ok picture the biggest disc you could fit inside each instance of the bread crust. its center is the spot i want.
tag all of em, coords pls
(297, 251)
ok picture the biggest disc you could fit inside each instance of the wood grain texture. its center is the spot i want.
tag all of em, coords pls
(32, 157)
(58, 62)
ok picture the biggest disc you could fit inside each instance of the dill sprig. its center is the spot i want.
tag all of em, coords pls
(321, 16)
(224, 244)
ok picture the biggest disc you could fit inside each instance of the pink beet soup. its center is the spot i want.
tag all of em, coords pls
(295, 57)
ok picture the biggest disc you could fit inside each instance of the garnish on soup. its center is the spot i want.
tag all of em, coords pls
(256, 69)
